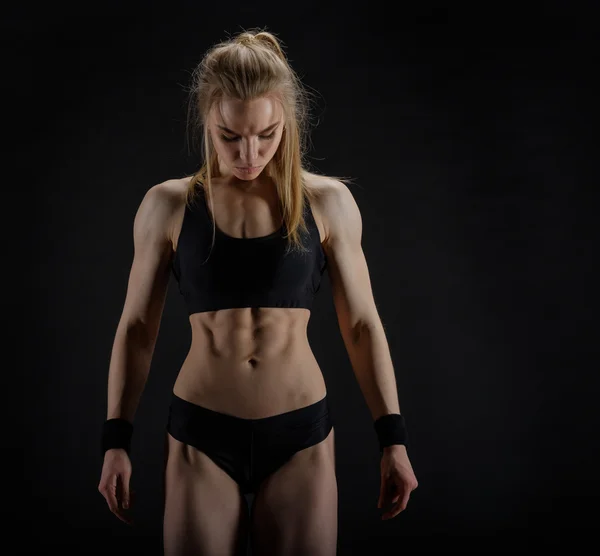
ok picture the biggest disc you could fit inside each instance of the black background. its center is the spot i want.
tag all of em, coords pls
(471, 140)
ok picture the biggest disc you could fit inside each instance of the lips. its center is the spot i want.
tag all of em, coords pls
(248, 169)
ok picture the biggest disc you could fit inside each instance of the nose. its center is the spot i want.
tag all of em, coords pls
(249, 150)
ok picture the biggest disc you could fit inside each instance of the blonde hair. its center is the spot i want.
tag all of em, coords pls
(250, 65)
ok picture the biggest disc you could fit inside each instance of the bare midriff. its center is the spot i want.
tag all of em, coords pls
(250, 362)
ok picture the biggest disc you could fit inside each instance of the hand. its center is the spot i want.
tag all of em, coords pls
(397, 480)
(114, 483)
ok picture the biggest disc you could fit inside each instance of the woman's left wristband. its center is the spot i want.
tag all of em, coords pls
(116, 433)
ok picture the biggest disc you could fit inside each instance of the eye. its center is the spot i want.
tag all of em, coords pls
(232, 139)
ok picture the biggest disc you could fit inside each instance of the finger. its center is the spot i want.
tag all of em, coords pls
(124, 518)
(119, 513)
(124, 489)
(123, 498)
(111, 495)
(114, 508)
(405, 499)
(112, 500)
(392, 513)
(391, 493)
(399, 506)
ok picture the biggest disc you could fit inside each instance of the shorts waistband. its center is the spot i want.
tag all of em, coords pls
(318, 408)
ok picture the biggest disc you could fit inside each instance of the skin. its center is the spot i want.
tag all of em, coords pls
(249, 362)
(245, 134)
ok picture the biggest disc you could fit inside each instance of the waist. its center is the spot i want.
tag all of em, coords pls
(273, 385)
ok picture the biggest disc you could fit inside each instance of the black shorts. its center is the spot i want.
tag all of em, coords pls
(248, 450)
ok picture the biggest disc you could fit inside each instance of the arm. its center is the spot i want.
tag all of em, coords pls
(360, 325)
(364, 337)
(138, 326)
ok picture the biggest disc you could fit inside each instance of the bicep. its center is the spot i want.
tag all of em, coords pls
(350, 285)
(348, 271)
(149, 274)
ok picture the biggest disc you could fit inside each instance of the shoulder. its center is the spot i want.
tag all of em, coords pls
(167, 193)
(160, 206)
(335, 205)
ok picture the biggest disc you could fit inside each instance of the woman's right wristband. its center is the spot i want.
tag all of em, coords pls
(116, 433)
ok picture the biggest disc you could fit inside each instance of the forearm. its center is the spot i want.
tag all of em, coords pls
(371, 361)
(128, 371)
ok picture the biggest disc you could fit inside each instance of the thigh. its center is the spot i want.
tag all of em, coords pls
(205, 513)
(295, 509)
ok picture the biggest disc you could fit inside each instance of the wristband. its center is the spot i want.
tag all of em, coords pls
(116, 433)
(391, 429)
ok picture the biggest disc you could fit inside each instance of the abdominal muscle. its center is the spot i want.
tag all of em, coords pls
(250, 362)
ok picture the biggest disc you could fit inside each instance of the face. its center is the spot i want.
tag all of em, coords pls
(245, 134)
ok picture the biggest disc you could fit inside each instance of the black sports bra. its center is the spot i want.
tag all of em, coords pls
(244, 272)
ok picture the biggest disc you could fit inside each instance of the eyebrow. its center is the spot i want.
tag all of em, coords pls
(259, 133)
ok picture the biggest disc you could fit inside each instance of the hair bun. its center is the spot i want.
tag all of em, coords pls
(245, 38)
(264, 37)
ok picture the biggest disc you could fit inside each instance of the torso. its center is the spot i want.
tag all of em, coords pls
(249, 362)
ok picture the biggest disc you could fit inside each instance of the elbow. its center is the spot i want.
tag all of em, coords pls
(361, 329)
(368, 325)
(138, 332)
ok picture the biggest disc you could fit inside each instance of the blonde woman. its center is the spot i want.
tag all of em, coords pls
(248, 238)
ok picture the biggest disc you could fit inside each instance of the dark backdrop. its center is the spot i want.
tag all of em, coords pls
(470, 139)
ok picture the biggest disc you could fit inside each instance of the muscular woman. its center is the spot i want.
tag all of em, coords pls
(248, 238)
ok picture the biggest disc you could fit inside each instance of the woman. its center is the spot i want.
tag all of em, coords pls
(248, 238)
